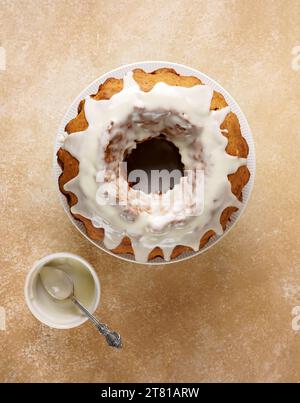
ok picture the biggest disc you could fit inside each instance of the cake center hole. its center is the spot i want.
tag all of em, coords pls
(154, 166)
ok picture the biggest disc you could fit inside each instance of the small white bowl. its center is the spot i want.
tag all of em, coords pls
(61, 314)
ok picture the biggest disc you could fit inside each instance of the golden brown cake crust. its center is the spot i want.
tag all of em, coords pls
(236, 146)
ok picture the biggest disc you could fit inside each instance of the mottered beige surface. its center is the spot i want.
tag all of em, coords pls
(225, 315)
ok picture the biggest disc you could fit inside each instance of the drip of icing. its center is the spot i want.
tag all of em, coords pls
(144, 220)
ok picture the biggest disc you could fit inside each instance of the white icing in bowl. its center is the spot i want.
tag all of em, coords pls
(62, 314)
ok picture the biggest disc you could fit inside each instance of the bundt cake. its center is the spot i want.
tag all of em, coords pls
(167, 114)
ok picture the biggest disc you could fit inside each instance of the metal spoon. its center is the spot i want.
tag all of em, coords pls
(61, 287)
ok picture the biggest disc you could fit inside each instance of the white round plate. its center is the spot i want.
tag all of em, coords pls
(184, 70)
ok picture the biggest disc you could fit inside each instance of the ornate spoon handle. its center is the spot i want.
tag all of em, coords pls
(113, 338)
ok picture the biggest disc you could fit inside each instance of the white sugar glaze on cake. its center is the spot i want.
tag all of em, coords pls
(132, 115)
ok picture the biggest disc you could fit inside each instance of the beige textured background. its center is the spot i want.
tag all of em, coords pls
(223, 316)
